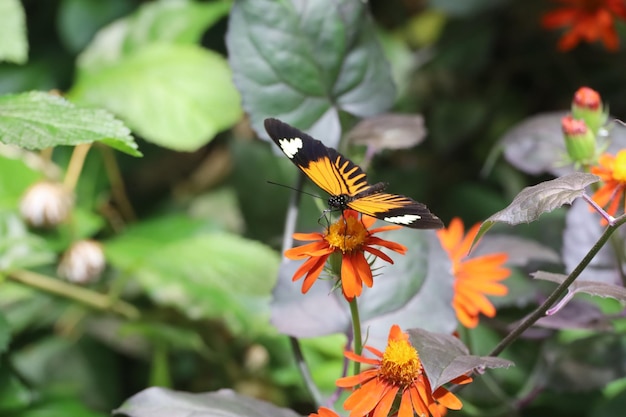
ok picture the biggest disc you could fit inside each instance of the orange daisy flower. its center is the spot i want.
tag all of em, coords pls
(612, 171)
(586, 20)
(474, 277)
(397, 373)
(350, 237)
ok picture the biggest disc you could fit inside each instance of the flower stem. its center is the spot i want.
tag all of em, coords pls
(82, 295)
(117, 184)
(356, 331)
(76, 165)
(560, 290)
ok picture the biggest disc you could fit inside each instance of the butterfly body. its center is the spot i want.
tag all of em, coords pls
(345, 181)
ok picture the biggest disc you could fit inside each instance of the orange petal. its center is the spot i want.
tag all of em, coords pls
(451, 236)
(448, 399)
(351, 285)
(384, 405)
(364, 399)
(354, 380)
(396, 247)
(362, 268)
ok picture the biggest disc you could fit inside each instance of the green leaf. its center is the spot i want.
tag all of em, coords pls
(139, 241)
(162, 402)
(177, 96)
(13, 42)
(304, 62)
(181, 22)
(37, 120)
(5, 333)
(416, 291)
(18, 170)
(164, 22)
(79, 20)
(56, 407)
(533, 201)
(445, 358)
(211, 275)
(14, 395)
(18, 247)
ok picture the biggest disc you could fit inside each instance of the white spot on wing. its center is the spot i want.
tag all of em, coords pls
(405, 219)
(290, 146)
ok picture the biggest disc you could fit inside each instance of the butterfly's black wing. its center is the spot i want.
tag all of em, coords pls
(338, 176)
(331, 171)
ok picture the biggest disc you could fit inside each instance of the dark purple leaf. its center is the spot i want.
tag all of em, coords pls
(389, 131)
(163, 402)
(445, 357)
(533, 201)
(601, 289)
(582, 230)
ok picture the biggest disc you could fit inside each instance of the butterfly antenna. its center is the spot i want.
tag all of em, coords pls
(295, 189)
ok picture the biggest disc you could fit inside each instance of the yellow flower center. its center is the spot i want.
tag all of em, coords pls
(401, 363)
(347, 234)
(619, 169)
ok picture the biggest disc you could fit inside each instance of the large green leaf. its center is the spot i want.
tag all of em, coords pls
(207, 275)
(304, 62)
(416, 291)
(13, 42)
(162, 402)
(177, 96)
(38, 120)
(146, 69)
(165, 21)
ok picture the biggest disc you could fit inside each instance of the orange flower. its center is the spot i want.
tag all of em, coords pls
(350, 237)
(612, 171)
(324, 412)
(397, 373)
(586, 20)
(474, 277)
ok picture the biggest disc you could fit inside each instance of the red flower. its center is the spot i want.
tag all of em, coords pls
(586, 20)
(350, 237)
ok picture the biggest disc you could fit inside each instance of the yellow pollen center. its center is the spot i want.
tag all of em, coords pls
(619, 169)
(347, 234)
(401, 363)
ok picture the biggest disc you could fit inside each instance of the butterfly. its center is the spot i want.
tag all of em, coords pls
(346, 182)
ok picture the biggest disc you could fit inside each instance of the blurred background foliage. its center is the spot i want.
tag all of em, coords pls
(472, 68)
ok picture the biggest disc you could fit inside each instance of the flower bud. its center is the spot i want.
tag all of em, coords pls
(579, 140)
(46, 204)
(587, 106)
(83, 262)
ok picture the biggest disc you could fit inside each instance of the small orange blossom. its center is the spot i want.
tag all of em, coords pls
(586, 20)
(612, 171)
(397, 373)
(474, 277)
(350, 237)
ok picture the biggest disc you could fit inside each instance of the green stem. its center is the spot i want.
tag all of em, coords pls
(82, 295)
(356, 331)
(560, 290)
